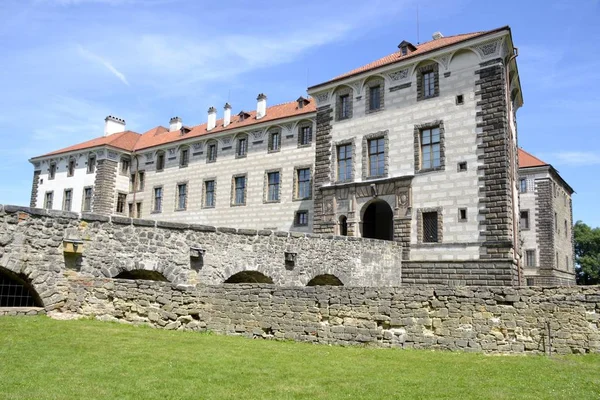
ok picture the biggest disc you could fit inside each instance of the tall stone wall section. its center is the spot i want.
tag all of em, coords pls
(34, 188)
(490, 320)
(32, 240)
(494, 148)
(322, 165)
(105, 186)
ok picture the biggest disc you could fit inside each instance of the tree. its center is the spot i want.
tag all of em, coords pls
(587, 254)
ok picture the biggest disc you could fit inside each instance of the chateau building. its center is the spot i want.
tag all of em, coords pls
(418, 147)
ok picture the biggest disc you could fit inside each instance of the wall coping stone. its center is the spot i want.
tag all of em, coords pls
(86, 216)
(143, 222)
(173, 225)
(32, 211)
(63, 214)
(202, 228)
(115, 219)
(248, 232)
(226, 230)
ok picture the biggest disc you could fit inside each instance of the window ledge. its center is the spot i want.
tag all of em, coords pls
(210, 161)
(376, 110)
(271, 201)
(302, 198)
(183, 166)
(240, 156)
(207, 207)
(237, 204)
(309, 144)
(273, 151)
(427, 170)
(156, 212)
(376, 177)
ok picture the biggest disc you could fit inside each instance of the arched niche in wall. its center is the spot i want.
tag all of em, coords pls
(17, 291)
(249, 277)
(325, 280)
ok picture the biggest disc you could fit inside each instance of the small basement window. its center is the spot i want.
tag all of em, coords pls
(462, 166)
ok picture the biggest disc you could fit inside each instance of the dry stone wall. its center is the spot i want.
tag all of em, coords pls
(484, 319)
(32, 240)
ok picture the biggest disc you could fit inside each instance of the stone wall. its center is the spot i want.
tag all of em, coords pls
(32, 240)
(490, 320)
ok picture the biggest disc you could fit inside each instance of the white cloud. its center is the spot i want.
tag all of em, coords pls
(577, 158)
(96, 58)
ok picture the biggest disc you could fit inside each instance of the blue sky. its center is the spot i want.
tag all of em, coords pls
(67, 64)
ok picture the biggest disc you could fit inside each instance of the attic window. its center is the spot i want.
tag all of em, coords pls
(406, 47)
(243, 115)
(302, 102)
(404, 50)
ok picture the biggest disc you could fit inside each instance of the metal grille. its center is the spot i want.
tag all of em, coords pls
(15, 294)
(430, 227)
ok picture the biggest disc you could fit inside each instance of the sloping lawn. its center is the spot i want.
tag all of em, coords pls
(45, 359)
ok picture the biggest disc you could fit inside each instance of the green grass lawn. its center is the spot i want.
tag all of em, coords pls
(45, 359)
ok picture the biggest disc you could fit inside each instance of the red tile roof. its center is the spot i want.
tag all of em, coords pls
(420, 49)
(132, 141)
(122, 140)
(276, 112)
(528, 160)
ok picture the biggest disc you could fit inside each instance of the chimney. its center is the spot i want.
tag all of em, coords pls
(227, 115)
(212, 119)
(175, 124)
(437, 35)
(113, 125)
(261, 106)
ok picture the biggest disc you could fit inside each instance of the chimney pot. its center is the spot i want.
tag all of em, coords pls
(227, 114)
(212, 119)
(261, 106)
(113, 125)
(175, 124)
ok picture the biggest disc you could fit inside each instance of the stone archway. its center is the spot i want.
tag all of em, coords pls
(378, 221)
(249, 277)
(142, 274)
(16, 291)
(325, 280)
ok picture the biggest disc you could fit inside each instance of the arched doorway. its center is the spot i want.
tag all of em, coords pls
(249, 277)
(378, 221)
(325, 280)
(15, 291)
(142, 274)
(343, 226)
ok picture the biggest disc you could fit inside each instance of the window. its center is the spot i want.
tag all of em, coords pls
(52, 171)
(556, 222)
(428, 84)
(557, 261)
(344, 155)
(67, 199)
(523, 185)
(273, 186)
(430, 227)
(274, 141)
(343, 226)
(242, 147)
(184, 157)
(567, 263)
(404, 50)
(158, 195)
(566, 229)
(530, 281)
(132, 183)
(344, 106)
(181, 196)
(239, 190)
(121, 199)
(87, 199)
(301, 218)
(209, 193)
(524, 223)
(141, 179)
(71, 168)
(462, 166)
(376, 157)
(303, 176)
(430, 148)
(305, 135)
(125, 166)
(48, 199)
(212, 153)
(138, 207)
(462, 214)
(131, 208)
(91, 164)
(530, 258)
(460, 100)
(374, 98)
(160, 161)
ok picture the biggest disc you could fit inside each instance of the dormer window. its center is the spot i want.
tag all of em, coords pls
(302, 102)
(243, 115)
(406, 47)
